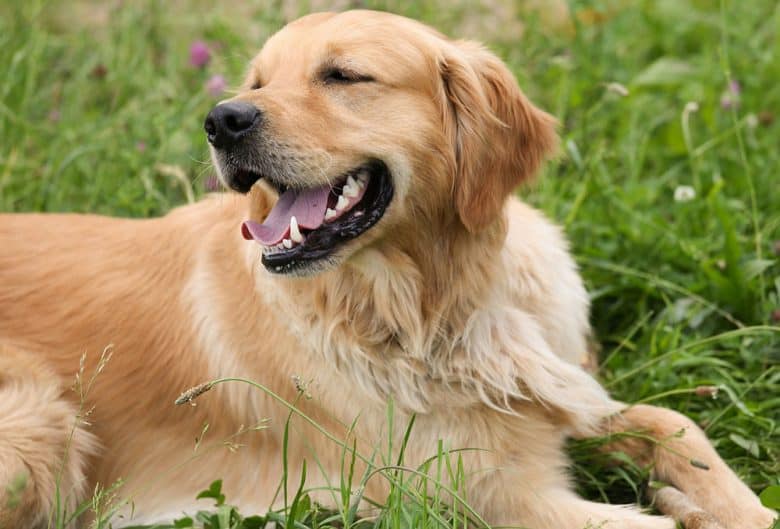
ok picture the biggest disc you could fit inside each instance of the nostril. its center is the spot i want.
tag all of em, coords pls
(209, 126)
(241, 120)
(232, 123)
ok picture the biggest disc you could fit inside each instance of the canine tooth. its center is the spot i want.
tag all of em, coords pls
(350, 191)
(362, 179)
(295, 233)
(342, 204)
(330, 214)
(351, 181)
(287, 243)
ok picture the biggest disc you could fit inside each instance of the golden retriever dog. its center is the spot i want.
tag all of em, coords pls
(375, 253)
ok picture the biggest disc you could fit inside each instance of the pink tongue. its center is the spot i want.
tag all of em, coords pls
(308, 208)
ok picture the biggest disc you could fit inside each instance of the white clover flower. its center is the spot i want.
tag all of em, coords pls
(691, 107)
(684, 194)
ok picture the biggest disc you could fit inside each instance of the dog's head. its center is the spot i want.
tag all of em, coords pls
(368, 126)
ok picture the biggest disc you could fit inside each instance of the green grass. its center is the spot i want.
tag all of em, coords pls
(97, 105)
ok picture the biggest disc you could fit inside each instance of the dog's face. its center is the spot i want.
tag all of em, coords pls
(372, 127)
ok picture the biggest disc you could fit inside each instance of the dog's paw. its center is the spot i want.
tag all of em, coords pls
(675, 503)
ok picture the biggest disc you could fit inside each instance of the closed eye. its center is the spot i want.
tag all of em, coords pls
(341, 76)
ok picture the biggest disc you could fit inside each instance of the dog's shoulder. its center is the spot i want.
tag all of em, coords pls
(543, 280)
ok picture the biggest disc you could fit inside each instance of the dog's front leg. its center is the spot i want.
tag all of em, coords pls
(532, 399)
(680, 454)
(516, 471)
(512, 500)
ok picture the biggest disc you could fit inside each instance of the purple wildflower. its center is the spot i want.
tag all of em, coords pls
(730, 97)
(199, 54)
(216, 85)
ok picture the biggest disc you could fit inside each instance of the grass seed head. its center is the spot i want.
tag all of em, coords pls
(193, 393)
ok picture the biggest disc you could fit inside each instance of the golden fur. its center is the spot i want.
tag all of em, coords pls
(462, 305)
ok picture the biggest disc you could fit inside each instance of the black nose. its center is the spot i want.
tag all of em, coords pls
(229, 122)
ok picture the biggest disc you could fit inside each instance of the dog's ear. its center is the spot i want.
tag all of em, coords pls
(499, 137)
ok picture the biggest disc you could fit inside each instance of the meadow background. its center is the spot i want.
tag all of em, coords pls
(667, 183)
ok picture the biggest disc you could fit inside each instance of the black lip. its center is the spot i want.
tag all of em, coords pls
(242, 180)
(322, 242)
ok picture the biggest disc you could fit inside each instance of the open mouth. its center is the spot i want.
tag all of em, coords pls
(307, 225)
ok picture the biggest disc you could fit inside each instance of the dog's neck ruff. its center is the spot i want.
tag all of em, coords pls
(373, 319)
(392, 330)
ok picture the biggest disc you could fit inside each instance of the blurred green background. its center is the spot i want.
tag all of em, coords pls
(667, 183)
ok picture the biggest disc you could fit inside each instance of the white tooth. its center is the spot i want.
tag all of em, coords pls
(362, 179)
(295, 233)
(350, 191)
(342, 204)
(351, 181)
(330, 214)
(287, 243)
